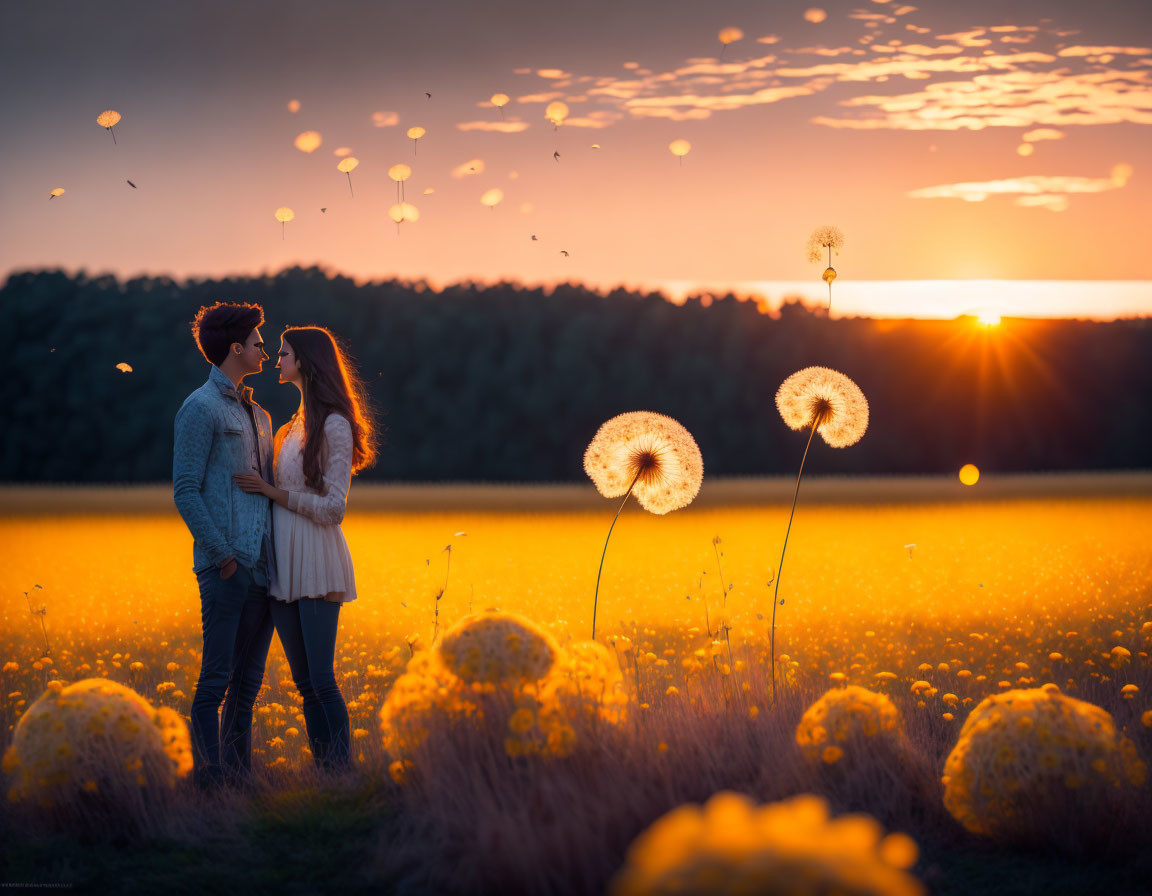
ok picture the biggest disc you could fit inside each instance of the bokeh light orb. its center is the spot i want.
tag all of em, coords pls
(969, 474)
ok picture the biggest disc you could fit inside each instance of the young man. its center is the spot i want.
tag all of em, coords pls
(220, 432)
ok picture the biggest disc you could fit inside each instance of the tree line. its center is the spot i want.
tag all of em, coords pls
(509, 383)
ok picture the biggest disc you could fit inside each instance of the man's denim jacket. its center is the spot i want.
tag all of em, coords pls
(209, 448)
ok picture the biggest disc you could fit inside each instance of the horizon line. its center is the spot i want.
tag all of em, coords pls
(855, 294)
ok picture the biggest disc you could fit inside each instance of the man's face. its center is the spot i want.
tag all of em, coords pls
(252, 355)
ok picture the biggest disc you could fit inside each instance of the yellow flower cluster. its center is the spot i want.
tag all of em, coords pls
(1025, 755)
(584, 689)
(731, 845)
(94, 736)
(502, 670)
(846, 721)
(494, 647)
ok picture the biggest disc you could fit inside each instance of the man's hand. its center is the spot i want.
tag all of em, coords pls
(228, 569)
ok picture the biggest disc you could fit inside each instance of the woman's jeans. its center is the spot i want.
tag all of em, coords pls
(307, 630)
(237, 628)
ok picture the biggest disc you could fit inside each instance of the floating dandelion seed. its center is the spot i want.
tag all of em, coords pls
(729, 36)
(910, 548)
(815, 15)
(107, 120)
(284, 215)
(347, 166)
(556, 113)
(342, 151)
(820, 400)
(969, 474)
(124, 367)
(400, 173)
(825, 238)
(648, 453)
(500, 100)
(401, 212)
(680, 148)
(414, 134)
(59, 191)
(492, 198)
(293, 106)
(308, 141)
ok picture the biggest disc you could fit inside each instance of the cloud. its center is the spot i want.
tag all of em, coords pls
(540, 97)
(506, 126)
(1036, 190)
(472, 166)
(647, 105)
(1009, 99)
(1110, 51)
(1042, 134)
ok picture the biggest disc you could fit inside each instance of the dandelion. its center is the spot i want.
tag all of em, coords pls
(729, 35)
(730, 845)
(414, 134)
(500, 100)
(347, 166)
(680, 148)
(820, 400)
(40, 612)
(284, 215)
(308, 141)
(825, 238)
(556, 113)
(400, 173)
(108, 119)
(655, 456)
(58, 191)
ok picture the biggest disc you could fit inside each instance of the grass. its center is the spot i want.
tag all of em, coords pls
(991, 588)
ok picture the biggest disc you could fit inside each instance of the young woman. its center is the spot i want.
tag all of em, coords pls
(328, 439)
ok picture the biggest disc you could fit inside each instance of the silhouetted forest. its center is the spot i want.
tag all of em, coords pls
(506, 383)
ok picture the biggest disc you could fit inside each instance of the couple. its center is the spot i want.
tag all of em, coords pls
(265, 520)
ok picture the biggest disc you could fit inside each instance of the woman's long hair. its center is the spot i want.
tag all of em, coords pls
(330, 384)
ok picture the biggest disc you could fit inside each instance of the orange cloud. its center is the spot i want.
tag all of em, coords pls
(507, 126)
(1041, 191)
(1010, 99)
(1101, 51)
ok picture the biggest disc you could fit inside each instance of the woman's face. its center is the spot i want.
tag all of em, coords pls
(287, 364)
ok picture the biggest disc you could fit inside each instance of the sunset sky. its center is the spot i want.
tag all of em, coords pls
(980, 141)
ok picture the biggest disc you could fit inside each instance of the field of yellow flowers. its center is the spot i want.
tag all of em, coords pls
(935, 606)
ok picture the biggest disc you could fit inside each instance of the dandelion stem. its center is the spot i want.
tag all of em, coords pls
(596, 596)
(349, 173)
(829, 282)
(780, 570)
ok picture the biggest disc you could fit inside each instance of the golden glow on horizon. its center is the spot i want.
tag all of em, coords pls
(989, 318)
(969, 474)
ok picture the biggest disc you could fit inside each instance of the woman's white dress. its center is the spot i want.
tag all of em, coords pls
(312, 558)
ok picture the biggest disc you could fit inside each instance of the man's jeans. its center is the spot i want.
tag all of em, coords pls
(237, 628)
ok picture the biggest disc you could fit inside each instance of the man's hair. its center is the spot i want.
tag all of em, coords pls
(216, 327)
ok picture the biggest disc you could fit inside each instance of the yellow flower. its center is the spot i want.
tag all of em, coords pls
(730, 845)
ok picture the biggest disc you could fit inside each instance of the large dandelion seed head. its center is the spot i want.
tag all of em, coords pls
(828, 397)
(1026, 757)
(822, 239)
(109, 118)
(730, 845)
(652, 449)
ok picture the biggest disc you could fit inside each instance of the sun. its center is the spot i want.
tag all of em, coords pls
(988, 318)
